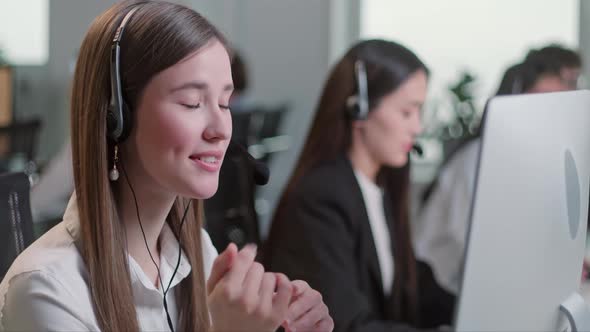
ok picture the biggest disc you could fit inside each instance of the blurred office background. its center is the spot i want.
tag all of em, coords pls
(288, 47)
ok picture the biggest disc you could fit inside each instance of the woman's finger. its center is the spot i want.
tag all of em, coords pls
(280, 301)
(266, 292)
(221, 265)
(236, 274)
(252, 284)
(299, 286)
(305, 302)
(310, 318)
(325, 325)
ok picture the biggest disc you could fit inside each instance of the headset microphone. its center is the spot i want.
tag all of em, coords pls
(260, 171)
(418, 149)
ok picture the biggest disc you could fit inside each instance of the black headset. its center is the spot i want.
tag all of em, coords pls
(118, 115)
(358, 105)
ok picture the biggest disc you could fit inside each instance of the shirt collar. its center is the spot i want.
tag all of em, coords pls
(71, 218)
(168, 251)
(169, 257)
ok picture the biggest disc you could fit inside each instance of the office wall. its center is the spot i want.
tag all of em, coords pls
(44, 90)
(585, 39)
(270, 34)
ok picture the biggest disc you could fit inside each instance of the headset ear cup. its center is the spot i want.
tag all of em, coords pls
(359, 114)
(111, 122)
(356, 112)
(352, 108)
(361, 104)
(353, 111)
(127, 123)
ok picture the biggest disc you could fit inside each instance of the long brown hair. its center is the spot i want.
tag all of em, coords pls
(157, 36)
(388, 65)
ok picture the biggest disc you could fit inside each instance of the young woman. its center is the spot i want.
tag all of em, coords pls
(342, 223)
(150, 126)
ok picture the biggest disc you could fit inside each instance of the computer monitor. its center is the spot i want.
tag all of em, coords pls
(526, 240)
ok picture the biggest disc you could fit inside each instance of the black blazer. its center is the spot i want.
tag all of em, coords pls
(323, 236)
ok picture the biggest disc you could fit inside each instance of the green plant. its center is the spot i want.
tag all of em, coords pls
(466, 117)
(453, 117)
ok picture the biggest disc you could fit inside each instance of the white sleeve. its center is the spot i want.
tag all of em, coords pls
(209, 253)
(36, 301)
(440, 239)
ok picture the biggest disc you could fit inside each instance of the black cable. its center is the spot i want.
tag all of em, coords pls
(150, 253)
(179, 247)
(177, 264)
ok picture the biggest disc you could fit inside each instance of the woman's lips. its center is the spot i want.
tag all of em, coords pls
(208, 161)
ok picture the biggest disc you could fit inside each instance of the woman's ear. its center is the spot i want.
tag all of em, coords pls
(358, 124)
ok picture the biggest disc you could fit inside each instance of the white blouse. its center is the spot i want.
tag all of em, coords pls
(46, 288)
(440, 232)
(373, 197)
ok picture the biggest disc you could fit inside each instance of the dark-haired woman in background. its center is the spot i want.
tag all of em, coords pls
(343, 222)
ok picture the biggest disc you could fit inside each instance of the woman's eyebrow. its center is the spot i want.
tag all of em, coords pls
(198, 85)
(190, 85)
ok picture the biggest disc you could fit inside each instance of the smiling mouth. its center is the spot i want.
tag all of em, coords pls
(208, 160)
(208, 163)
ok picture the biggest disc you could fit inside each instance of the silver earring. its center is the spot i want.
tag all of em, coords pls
(114, 173)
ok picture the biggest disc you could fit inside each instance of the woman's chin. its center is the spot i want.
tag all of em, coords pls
(399, 161)
(203, 190)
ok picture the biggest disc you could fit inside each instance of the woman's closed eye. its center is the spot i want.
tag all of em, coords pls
(198, 105)
(191, 106)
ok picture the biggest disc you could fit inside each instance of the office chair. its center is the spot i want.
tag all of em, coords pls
(265, 125)
(242, 132)
(230, 215)
(16, 222)
(271, 121)
(19, 140)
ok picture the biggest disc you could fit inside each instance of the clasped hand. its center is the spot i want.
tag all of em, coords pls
(244, 297)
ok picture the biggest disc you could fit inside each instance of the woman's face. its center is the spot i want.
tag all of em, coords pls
(549, 83)
(183, 124)
(389, 132)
